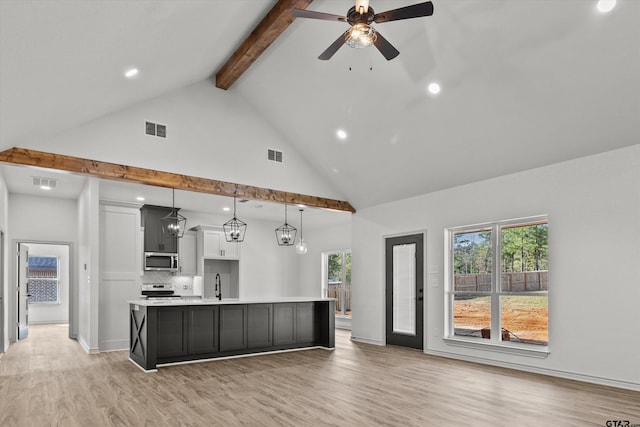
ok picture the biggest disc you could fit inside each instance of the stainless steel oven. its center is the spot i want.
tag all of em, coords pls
(157, 261)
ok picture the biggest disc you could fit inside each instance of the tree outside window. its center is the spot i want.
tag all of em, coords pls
(338, 280)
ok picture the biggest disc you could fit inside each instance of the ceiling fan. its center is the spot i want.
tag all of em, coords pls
(361, 33)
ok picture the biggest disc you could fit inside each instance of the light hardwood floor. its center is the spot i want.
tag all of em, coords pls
(49, 380)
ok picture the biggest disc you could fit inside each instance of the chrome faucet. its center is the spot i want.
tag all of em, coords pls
(218, 287)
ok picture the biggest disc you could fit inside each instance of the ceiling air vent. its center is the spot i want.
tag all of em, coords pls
(44, 183)
(274, 155)
(155, 129)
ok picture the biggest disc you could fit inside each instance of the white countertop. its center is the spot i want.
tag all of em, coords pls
(212, 301)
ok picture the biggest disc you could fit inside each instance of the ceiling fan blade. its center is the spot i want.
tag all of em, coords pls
(386, 49)
(413, 11)
(303, 13)
(331, 50)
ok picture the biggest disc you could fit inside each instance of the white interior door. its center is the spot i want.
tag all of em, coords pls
(23, 291)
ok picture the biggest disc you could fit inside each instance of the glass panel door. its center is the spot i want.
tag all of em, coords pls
(404, 289)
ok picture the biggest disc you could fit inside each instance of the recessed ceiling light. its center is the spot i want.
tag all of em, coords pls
(341, 134)
(433, 88)
(45, 187)
(140, 199)
(605, 6)
(226, 209)
(301, 206)
(131, 73)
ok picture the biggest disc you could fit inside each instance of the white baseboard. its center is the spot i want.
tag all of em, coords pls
(86, 347)
(49, 322)
(114, 345)
(366, 341)
(550, 372)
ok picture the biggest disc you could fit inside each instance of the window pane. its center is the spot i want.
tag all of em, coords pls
(524, 318)
(524, 258)
(43, 280)
(472, 261)
(334, 279)
(347, 284)
(472, 315)
(404, 289)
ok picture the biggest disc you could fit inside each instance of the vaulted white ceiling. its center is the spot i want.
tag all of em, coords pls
(523, 83)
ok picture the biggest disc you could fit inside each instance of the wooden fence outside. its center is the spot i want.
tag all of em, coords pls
(333, 291)
(530, 281)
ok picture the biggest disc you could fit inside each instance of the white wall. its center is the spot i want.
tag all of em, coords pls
(39, 219)
(211, 133)
(266, 269)
(593, 204)
(53, 313)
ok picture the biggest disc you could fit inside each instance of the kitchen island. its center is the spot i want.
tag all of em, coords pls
(173, 331)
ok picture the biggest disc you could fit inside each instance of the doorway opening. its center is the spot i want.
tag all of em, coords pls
(44, 279)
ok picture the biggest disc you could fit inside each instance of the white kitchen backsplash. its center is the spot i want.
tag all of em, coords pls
(182, 285)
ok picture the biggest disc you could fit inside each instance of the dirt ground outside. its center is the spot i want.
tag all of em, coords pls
(526, 317)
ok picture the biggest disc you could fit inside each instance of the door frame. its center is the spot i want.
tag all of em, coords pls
(423, 234)
(13, 293)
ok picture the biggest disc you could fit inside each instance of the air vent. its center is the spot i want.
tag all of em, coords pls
(274, 155)
(44, 183)
(155, 129)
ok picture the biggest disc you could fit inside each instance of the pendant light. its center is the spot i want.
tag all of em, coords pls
(173, 224)
(301, 247)
(286, 234)
(234, 229)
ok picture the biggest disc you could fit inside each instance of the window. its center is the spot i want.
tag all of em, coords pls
(338, 280)
(43, 280)
(498, 286)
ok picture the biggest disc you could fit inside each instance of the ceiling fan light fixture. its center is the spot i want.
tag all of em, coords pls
(360, 35)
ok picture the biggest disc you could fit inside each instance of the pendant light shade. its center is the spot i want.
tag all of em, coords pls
(173, 224)
(301, 247)
(286, 234)
(234, 229)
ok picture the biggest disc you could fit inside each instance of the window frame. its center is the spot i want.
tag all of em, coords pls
(493, 343)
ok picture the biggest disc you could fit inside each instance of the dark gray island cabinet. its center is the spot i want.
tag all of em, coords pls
(164, 332)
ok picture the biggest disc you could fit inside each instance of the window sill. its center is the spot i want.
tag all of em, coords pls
(342, 316)
(539, 352)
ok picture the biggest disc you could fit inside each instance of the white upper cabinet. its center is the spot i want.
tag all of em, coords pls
(212, 244)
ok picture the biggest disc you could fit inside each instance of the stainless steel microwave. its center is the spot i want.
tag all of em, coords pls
(158, 261)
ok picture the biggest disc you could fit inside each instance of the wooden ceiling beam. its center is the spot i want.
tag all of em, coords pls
(113, 171)
(272, 25)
